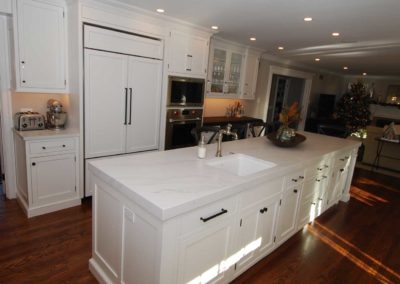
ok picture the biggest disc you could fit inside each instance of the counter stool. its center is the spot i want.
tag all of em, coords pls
(210, 131)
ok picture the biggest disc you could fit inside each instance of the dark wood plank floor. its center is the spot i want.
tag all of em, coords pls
(355, 242)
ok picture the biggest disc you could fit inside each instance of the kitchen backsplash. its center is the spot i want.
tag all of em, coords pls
(37, 102)
(217, 107)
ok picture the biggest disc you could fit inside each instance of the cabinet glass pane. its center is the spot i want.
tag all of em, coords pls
(218, 72)
(234, 73)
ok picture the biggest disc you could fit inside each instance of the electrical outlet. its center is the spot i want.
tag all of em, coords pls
(26, 109)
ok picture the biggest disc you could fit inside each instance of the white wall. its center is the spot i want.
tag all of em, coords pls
(37, 102)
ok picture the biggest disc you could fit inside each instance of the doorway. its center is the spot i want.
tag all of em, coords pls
(285, 91)
(279, 92)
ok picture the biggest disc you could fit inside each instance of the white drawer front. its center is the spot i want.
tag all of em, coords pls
(294, 179)
(50, 146)
(208, 215)
(261, 192)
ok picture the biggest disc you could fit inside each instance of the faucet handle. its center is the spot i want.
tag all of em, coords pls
(228, 127)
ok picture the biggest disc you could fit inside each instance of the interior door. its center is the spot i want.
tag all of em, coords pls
(144, 82)
(106, 96)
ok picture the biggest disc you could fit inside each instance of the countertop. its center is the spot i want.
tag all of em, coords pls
(218, 120)
(169, 183)
(47, 134)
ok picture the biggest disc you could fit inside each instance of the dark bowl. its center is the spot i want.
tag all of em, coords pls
(286, 144)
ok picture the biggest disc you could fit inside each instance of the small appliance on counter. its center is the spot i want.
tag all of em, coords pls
(56, 117)
(24, 121)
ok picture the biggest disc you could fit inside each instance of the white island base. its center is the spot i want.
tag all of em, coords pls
(168, 217)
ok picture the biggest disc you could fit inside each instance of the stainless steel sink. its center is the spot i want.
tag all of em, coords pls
(240, 164)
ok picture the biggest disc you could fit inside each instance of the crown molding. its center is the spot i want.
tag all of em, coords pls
(396, 78)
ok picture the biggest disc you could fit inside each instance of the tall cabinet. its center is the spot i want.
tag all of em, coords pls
(122, 92)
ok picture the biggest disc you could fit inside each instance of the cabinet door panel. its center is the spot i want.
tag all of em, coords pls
(105, 102)
(204, 256)
(41, 43)
(250, 79)
(287, 214)
(144, 104)
(53, 178)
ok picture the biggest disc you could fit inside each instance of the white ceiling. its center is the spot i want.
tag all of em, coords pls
(369, 40)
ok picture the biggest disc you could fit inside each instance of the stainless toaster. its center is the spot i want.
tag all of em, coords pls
(29, 121)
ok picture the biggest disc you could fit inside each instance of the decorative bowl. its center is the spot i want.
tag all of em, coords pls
(286, 144)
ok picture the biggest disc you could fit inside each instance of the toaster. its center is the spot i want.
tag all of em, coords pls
(29, 121)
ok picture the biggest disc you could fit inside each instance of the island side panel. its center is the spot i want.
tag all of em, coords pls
(126, 240)
(352, 165)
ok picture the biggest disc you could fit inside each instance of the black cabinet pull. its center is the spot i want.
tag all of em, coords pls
(33, 164)
(189, 55)
(318, 180)
(23, 81)
(313, 203)
(319, 169)
(326, 166)
(293, 179)
(223, 211)
(63, 146)
(301, 177)
(188, 69)
(295, 190)
(23, 62)
(130, 106)
(324, 177)
(126, 106)
(341, 170)
(342, 159)
(44, 148)
(262, 211)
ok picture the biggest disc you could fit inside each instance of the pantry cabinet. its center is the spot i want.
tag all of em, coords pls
(188, 54)
(41, 49)
(47, 171)
(122, 103)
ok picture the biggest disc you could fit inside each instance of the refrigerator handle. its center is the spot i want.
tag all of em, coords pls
(126, 106)
(130, 106)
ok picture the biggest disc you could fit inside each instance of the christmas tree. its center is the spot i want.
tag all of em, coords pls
(353, 108)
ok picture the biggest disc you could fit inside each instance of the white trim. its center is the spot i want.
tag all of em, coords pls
(276, 70)
(6, 110)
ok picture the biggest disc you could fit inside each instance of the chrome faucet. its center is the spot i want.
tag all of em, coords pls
(221, 133)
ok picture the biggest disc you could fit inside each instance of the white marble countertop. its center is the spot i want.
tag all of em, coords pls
(169, 183)
(47, 134)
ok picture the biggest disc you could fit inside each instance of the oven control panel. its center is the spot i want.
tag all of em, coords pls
(184, 114)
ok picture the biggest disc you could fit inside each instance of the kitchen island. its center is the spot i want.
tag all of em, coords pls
(169, 217)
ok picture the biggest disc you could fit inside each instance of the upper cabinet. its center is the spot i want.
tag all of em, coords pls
(40, 46)
(188, 54)
(5, 6)
(232, 71)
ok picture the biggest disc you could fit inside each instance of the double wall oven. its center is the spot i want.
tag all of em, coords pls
(184, 111)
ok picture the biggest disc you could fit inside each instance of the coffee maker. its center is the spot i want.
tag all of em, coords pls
(56, 117)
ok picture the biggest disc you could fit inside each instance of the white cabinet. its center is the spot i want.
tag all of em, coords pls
(6, 6)
(250, 75)
(40, 40)
(122, 103)
(47, 173)
(206, 237)
(225, 76)
(188, 54)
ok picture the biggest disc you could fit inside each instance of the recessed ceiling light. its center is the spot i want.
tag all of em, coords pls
(159, 10)
(364, 74)
(335, 34)
(317, 59)
(253, 39)
(281, 48)
(214, 27)
(345, 67)
(307, 19)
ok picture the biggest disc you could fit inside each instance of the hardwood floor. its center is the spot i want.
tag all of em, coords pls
(355, 242)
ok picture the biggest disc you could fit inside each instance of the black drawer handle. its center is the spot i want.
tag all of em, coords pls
(341, 170)
(262, 211)
(320, 199)
(313, 203)
(33, 164)
(293, 179)
(63, 146)
(188, 69)
(295, 190)
(319, 169)
(324, 177)
(346, 157)
(326, 166)
(342, 160)
(223, 211)
(318, 180)
(44, 148)
(301, 177)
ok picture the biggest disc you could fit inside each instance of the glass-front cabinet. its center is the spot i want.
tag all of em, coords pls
(225, 78)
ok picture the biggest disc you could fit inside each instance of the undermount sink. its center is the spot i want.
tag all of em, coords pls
(240, 164)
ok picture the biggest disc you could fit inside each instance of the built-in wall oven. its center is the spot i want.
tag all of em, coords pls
(180, 122)
(185, 91)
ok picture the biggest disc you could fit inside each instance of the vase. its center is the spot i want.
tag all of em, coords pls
(285, 133)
